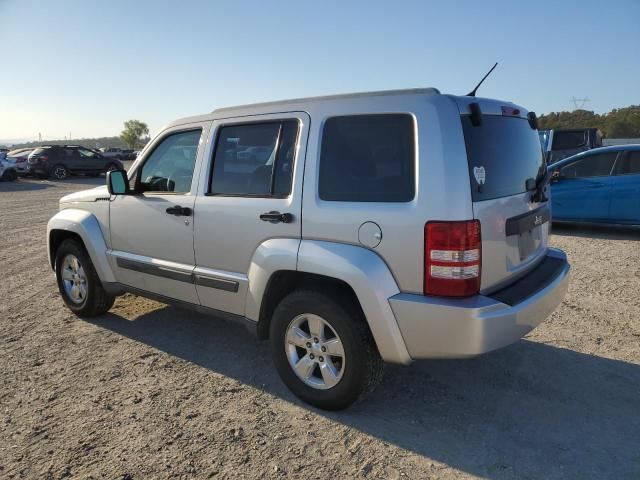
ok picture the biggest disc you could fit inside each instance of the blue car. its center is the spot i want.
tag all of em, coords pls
(600, 186)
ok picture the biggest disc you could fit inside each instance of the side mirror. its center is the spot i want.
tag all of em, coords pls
(117, 182)
(555, 176)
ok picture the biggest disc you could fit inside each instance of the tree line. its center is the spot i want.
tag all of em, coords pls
(618, 123)
(134, 136)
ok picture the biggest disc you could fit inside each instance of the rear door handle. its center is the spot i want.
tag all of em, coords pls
(276, 217)
(179, 211)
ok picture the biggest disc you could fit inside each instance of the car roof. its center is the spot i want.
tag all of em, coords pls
(594, 151)
(294, 104)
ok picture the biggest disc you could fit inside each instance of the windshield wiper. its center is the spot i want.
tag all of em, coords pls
(538, 186)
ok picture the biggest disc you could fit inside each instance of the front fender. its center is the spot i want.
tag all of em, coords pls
(372, 282)
(85, 225)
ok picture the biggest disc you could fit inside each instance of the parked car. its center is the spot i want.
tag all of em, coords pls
(600, 186)
(387, 226)
(7, 168)
(60, 161)
(562, 143)
(127, 154)
(19, 157)
(111, 153)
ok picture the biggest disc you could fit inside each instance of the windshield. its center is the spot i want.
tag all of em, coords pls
(503, 153)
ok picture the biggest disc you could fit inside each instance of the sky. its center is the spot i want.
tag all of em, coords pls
(84, 67)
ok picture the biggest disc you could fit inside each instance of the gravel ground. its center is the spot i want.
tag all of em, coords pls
(152, 391)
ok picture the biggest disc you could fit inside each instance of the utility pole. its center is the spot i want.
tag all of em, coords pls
(579, 103)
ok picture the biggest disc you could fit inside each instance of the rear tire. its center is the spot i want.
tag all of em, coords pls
(303, 357)
(78, 282)
(60, 172)
(110, 167)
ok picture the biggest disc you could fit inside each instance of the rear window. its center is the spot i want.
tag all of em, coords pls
(503, 152)
(565, 140)
(38, 151)
(368, 158)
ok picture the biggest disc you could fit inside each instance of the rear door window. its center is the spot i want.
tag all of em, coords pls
(599, 165)
(503, 153)
(368, 158)
(255, 159)
(567, 140)
(629, 163)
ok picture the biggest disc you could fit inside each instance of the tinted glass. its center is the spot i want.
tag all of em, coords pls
(562, 140)
(38, 151)
(503, 152)
(255, 159)
(368, 158)
(170, 166)
(85, 152)
(592, 166)
(630, 163)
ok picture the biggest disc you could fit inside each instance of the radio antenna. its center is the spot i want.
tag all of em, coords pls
(472, 93)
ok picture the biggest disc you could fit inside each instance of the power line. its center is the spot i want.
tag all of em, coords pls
(579, 103)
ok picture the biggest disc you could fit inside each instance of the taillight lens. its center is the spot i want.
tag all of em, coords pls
(452, 255)
(43, 158)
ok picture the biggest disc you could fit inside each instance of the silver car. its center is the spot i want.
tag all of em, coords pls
(370, 228)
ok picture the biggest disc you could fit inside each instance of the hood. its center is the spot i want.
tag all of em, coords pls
(91, 195)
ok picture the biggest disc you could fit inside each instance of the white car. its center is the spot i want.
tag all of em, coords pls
(19, 158)
(7, 168)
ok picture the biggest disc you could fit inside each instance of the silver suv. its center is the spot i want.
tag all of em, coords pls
(349, 231)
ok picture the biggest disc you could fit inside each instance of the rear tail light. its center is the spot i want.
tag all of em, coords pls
(452, 256)
(43, 158)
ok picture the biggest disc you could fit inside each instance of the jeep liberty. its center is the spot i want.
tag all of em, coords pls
(348, 230)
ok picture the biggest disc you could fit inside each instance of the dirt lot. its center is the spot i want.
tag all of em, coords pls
(151, 391)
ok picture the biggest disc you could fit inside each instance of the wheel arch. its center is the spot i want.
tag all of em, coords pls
(84, 227)
(355, 272)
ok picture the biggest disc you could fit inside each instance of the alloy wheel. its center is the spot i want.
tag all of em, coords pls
(315, 351)
(74, 279)
(60, 172)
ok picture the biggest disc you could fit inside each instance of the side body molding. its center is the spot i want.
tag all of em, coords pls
(86, 225)
(372, 283)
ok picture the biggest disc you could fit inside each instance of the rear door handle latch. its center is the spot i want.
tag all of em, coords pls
(276, 217)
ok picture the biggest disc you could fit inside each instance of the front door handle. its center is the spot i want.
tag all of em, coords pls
(276, 217)
(179, 211)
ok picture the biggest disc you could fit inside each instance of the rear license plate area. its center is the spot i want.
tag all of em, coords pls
(526, 244)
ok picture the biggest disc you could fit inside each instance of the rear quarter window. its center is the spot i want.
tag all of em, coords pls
(368, 158)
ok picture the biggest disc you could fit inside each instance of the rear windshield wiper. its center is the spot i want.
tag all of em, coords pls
(538, 185)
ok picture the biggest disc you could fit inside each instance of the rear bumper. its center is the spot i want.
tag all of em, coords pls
(436, 327)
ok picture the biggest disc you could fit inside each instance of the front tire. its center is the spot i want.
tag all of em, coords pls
(10, 175)
(323, 350)
(78, 282)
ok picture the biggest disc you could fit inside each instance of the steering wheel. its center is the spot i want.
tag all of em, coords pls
(175, 177)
